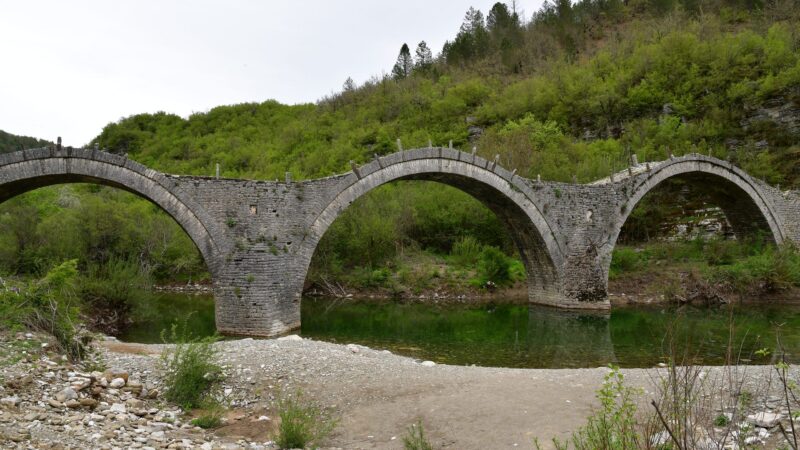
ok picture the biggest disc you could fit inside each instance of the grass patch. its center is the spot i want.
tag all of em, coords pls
(302, 424)
(211, 417)
(415, 438)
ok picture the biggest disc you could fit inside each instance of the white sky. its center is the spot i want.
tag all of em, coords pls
(69, 68)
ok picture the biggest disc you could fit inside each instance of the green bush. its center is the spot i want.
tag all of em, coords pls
(721, 420)
(494, 266)
(302, 424)
(772, 269)
(48, 305)
(415, 438)
(190, 370)
(119, 285)
(623, 259)
(466, 251)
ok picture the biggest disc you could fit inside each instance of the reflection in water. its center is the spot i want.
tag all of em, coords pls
(515, 335)
(165, 308)
(564, 338)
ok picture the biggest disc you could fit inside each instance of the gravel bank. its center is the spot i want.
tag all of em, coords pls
(375, 394)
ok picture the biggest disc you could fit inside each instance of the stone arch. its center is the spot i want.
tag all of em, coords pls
(26, 170)
(740, 196)
(507, 195)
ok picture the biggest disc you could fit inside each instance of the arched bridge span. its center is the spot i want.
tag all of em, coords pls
(258, 237)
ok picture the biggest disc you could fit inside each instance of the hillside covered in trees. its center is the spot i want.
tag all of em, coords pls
(12, 143)
(570, 92)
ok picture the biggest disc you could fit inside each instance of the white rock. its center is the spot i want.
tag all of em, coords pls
(66, 394)
(262, 418)
(291, 337)
(117, 383)
(427, 363)
(10, 401)
(206, 446)
(353, 348)
(764, 419)
(752, 440)
(118, 408)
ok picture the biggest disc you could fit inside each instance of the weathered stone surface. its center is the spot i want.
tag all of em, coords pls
(765, 419)
(258, 237)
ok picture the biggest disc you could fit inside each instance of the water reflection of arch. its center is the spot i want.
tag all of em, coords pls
(570, 338)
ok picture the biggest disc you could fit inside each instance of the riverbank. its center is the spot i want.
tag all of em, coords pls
(375, 395)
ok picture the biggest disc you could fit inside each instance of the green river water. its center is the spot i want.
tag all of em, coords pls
(517, 335)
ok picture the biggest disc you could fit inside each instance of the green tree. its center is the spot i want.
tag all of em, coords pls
(423, 57)
(349, 85)
(404, 65)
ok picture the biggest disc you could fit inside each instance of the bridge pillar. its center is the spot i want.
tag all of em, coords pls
(584, 282)
(258, 294)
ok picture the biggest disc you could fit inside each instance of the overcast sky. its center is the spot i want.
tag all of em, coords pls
(69, 68)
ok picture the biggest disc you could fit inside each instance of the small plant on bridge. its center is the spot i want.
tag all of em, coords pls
(302, 424)
(189, 366)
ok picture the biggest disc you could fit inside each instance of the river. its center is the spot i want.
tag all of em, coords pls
(519, 335)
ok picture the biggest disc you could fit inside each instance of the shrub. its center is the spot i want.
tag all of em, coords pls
(48, 305)
(495, 266)
(719, 252)
(190, 370)
(415, 438)
(466, 251)
(624, 259)
(118, 285)
(301, 424)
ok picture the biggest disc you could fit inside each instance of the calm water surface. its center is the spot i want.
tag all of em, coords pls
(517, 336)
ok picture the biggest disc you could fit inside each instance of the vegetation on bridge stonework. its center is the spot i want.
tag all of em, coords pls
(573, 91)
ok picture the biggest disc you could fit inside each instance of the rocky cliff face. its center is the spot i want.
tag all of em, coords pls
(782, 113)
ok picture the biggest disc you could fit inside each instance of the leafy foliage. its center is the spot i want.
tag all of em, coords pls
(771, 270)
(100, 227)
(11, 143)
(496, 268)
(48, 305)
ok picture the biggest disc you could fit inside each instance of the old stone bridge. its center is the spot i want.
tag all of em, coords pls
(258, 237)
